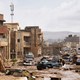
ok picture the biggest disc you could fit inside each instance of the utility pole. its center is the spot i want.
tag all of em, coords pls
(9, 33)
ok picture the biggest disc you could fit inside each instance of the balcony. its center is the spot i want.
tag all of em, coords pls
(27, 34)
(3, 42)
(27, 44)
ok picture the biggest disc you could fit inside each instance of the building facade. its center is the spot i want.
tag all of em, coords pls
(16, 43)
(29, 40)
(12, 28)
(71, 41)
(3, 39)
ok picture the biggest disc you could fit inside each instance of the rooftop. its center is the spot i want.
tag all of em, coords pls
(12, 23)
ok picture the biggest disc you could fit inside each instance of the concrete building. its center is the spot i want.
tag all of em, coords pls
(12, 28)
(3, 39)
(16, 43)
(71, 41)
(24, 41)
(29, 40)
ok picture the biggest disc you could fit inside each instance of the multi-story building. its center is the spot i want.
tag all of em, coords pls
(3, 39)
(71, 41)
(12, 28)
(29, 40)
(16, 43)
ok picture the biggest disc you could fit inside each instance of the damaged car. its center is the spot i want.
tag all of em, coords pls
(44, 64)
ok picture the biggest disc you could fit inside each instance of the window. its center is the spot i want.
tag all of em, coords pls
(18, 40)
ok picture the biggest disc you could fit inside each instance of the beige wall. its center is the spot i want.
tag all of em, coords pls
(35, 45)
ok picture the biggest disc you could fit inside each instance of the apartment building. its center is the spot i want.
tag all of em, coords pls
(12, 28)
(3, 39)
(29, 40)
(24, 41)
(71, 41)
(16, 43)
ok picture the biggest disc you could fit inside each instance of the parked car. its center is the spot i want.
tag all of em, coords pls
(28, 59)
(67, 58)
(78, 62)
(55, 63)
(27, 63)
(44, 64)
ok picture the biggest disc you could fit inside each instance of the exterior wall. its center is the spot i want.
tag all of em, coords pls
(3, 39)
(19, 45)
(78, 48)
(72, 41)
(30, 40)
(36, 41)
(4, 42)
(18, 42)
(12, 28)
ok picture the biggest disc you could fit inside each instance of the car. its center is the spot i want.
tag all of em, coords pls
(44, 64)
(28, 63)
(78, 62)
(56, 63)
(28, 59)
(67, 58)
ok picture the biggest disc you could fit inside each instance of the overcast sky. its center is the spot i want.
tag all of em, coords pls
(49, 15)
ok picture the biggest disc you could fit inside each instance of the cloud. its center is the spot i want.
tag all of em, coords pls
(1, 7)
(63, 16)
(66, 17)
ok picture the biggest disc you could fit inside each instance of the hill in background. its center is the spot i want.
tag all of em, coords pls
(55, 36)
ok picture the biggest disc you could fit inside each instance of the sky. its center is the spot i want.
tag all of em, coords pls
(49, 15)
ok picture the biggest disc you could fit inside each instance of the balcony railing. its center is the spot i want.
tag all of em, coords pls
(3, 42)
